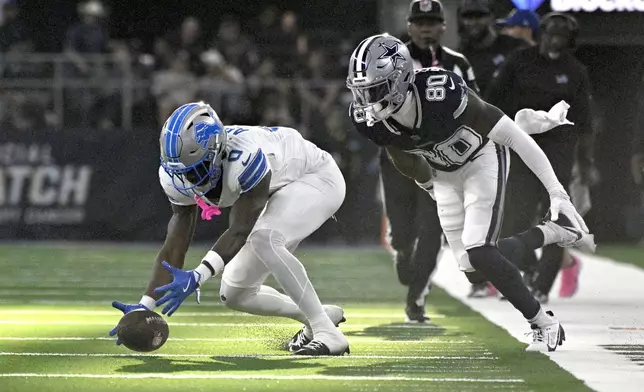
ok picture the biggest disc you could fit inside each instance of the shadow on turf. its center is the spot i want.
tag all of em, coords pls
(218, 364)
(402, 331)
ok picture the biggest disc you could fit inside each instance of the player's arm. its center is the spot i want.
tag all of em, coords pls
(492, 123)
(413, 166)
(243, 216)
(181, 228)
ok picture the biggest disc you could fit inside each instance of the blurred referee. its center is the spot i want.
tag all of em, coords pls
(414, 231)
(538, 77)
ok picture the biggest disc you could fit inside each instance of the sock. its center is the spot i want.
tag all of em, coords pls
(262, 301)
(505, 277)
(269, 247)
(541, 319)
(519, 249)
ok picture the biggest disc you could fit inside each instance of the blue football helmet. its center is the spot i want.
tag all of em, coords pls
(192, 144)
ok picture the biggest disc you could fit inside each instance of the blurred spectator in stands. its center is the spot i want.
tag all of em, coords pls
(268, 20)
(16, 65)
(189, 39)
(25, 110)
(222, 86)
(12, 28)
(267, 31)
(318, 92)
(237, 48)
(174, 87)
(291, 47)
(88, 36)
(523, 24)
(275, 110)
(163, 54)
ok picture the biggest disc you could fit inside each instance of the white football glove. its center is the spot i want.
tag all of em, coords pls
(560, 204)
(428, 187)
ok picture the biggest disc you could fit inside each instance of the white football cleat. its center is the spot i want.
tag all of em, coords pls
(547, 338)
(326, 344)
(303, 336)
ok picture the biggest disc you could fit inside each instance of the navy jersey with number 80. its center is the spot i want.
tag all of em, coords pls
(438, 133)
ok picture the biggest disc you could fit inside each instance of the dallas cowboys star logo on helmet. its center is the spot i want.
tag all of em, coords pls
(391, 52)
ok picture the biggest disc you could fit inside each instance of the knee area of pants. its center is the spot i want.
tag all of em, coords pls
(266, 238)
(481, 256)
(232, 297)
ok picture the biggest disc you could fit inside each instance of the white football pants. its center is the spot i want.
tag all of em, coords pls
(470, 201)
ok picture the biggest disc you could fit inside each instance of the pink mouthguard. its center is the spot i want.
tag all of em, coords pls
(207, 211)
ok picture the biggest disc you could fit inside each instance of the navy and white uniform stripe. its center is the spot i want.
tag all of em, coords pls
(255, 170)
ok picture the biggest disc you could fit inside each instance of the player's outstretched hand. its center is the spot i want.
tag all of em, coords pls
(125, 308)
(560, 204)
(183, 284)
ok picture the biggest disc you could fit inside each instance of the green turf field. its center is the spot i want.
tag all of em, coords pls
(55, 314)
(625, 253)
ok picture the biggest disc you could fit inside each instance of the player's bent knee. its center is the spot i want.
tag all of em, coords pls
(266, 243)
(481, 256)
(263, 239)
(235, 297)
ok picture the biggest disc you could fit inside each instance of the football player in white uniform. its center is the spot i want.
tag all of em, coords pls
(453, 144)
(280, 188)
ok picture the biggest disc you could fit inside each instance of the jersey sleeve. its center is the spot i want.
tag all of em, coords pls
(174, 196)
(245, 164)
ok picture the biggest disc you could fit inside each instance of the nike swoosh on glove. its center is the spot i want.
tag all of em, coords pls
(183, 284)
(560, 204)
(125, 308)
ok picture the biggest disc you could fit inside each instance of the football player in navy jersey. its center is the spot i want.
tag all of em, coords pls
(453, 144)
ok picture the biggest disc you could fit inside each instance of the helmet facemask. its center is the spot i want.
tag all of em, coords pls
(377, 101)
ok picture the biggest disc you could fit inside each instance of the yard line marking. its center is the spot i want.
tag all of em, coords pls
(345, 325)
(224, 357)
(356, 339)
(185, 314)
(265, 377)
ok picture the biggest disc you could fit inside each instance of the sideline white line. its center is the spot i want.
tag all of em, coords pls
(250, 325)
(42, 312)
(217, 357)
(354, 339)
(263, 377)
(609, 294)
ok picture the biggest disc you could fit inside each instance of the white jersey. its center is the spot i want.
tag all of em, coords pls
(250, 153)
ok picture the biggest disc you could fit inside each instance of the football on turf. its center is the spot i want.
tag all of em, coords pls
(142, 330)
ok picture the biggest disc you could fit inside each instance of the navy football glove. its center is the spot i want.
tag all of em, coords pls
(125, 308)
(183, 284)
